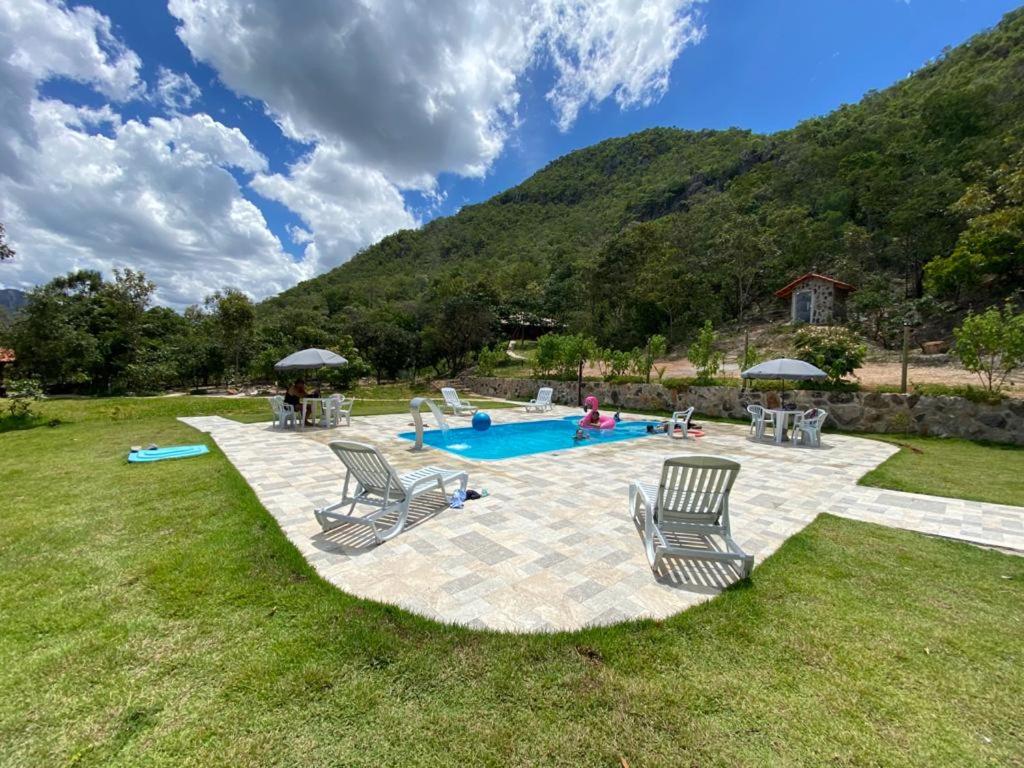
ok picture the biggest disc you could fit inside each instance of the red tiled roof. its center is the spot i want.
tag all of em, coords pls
(788, 289)
(6, 355)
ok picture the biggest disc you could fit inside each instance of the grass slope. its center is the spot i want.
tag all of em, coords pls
(949, 467)
(155, 615)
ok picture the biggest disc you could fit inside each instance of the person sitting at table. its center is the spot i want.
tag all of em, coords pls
(294, 395)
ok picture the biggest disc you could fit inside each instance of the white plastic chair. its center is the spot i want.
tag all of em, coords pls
(807, 428)
(378, 485)
(542, 402)
(284, 414)
(339, 408)
(759, 420)
(458, 407)
(691, 499)
(681, 418)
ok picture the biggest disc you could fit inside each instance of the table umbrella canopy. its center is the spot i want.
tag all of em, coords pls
(784, 368)
(309, 360)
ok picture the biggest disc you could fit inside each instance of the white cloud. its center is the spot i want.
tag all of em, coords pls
(51, 39)
(388, 95)
(39, 40)
(176, 90)
(156, 197)
(345, 206)
(414, 89)
(81, 188)
(613, 49)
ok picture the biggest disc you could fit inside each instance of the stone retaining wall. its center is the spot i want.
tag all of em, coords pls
(854, 411)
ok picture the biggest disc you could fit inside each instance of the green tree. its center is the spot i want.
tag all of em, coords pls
(991, 344)
(235, 317)
(463, 325)
(388, 349)
(200, 356)
(656, 347)
(52, 338)
(704, 357)
(546, 359)
(992, 245)
(117, 325)
(6, 252)
(879, 309)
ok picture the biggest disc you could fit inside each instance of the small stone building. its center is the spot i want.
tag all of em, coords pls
(816, 299)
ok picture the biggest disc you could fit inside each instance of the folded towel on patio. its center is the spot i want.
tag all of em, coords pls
(458, 498)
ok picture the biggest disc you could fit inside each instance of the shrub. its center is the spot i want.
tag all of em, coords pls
(563, 354)
(19, 408)
(991, 345)
(488, 359)
(546, 359)
(655, 348)
(748, 358)
(974, 394)
(836, 350)
(703, 355)
(618, 364)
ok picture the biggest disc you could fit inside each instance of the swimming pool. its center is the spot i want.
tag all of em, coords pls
(506, 441)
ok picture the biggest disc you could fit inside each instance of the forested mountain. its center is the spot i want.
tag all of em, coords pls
(915, 195)
(11, 299)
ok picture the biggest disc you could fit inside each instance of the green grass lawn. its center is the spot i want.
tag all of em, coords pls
(951, 467)
(155, 615)
(370, 401)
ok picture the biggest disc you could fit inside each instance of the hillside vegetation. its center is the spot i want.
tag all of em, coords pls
(914, 195)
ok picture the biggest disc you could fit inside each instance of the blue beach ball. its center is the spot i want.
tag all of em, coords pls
(481, 421)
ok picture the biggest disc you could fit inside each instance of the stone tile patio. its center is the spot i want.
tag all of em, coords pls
(553, 546)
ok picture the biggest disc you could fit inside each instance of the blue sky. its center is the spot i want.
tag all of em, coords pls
(290, 150)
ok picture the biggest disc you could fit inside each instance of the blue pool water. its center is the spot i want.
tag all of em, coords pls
(505, 441)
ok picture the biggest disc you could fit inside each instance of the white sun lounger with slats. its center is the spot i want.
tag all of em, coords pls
(458, 407)
(542, 402)
(379, 486)
(691, 499)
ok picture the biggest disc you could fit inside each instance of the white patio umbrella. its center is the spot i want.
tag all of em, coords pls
(784, 369)
(310, 360)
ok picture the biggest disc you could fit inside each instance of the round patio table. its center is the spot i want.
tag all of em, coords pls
(781, 417)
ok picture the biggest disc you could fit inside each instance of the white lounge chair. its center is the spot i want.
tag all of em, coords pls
(692, 498)
(339, 408)
(378, 485)
(759, 420)
(458, 407)
(284, 414)
(542, 402)
(680, 418)
(807, 428)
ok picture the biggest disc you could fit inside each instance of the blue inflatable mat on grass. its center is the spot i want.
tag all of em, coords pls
(174, 452)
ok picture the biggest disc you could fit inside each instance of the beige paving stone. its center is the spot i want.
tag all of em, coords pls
(554, 547)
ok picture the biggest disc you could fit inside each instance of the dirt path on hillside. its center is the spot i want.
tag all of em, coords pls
(870, 375)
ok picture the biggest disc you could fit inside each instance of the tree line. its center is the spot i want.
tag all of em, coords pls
(83, 333)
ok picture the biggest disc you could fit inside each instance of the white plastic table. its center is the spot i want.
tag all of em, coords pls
(781, 417)
(313, 403)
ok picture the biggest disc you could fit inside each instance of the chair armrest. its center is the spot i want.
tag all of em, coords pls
(639, 491)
